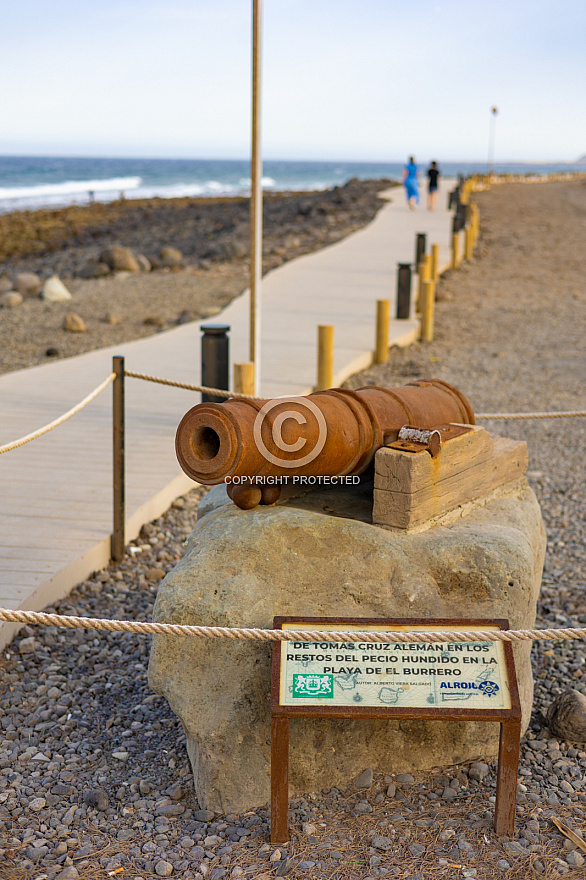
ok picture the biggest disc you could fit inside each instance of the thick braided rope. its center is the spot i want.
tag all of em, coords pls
(278, 635)
(572, 414)
(71, 412)
(217, 392)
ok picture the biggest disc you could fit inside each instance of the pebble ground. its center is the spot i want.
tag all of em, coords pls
(94, 776)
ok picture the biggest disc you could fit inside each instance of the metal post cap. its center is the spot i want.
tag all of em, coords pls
(215, 329)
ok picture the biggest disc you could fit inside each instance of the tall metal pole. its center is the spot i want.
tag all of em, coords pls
(491, 137)
(256, 198)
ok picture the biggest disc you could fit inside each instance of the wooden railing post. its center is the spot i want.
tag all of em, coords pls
(325, 357)
(383, 314)
(435, 262)
(427, 310)
(244, 379)
(118, 487)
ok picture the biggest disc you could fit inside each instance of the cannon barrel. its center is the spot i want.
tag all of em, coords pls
(328, 433)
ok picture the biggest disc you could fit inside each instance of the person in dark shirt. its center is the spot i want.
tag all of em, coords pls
(433, 174)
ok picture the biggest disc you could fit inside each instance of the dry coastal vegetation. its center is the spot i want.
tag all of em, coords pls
(509, 332)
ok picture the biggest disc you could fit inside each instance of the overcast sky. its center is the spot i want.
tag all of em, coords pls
(343, 79)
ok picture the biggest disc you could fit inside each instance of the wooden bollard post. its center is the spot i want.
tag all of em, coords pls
(244, 379)
(468, 242)
(383, 314)
(427, 310)
(118, 539)
(325, 357)
(455, 250)
(435, 258)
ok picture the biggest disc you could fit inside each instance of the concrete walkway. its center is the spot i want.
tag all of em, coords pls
(55, 495)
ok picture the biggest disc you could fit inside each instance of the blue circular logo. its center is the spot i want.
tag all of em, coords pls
(488, 688)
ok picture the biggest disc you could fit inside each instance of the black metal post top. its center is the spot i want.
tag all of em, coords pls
(215, 329)
(404, 265)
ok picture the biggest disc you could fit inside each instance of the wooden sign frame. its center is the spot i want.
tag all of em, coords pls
(510, 719)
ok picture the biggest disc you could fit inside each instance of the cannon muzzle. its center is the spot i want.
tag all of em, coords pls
(328, 433)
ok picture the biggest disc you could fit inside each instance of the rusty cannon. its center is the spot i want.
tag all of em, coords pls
(256, 445)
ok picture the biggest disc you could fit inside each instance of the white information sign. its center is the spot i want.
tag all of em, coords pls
(467, 675)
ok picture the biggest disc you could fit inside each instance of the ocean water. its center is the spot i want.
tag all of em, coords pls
(30, 182)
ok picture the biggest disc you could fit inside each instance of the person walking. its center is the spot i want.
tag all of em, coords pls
(433, 174)
(411, 183)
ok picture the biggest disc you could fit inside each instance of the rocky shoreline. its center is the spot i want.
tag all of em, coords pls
(94, 776)
(134, 268)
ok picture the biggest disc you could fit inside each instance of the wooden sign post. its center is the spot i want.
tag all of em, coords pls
(470, 681)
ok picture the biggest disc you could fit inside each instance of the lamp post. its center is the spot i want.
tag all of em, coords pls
(491, 135)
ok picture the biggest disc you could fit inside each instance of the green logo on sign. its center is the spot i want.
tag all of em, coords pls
(313, 686)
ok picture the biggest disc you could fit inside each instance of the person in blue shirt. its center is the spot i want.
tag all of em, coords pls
(411, 183)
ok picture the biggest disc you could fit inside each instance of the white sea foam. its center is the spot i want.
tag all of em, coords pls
(265, 182)
(69, 187)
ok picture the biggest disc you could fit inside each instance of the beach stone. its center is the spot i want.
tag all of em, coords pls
(247, 566)
(6, 285)
(28, 283)
(28, 645)
(171, 256)
(478, 770)
(96, 798)
(144, 264)
(74, 323)
(54, 290)
(11, 300)
(37, 804)
(94, 270)
(364, 780)
(566, 716)
(113, 318)
(120, 259)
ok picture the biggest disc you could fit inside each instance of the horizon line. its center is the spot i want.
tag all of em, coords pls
(161, 158)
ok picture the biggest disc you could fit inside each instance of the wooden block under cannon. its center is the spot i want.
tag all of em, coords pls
(411, 487)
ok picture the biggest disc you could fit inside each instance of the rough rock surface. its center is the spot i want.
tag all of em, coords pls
(244, 567)
(566, 716)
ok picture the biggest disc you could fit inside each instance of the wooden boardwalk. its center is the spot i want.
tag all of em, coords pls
(55, 492)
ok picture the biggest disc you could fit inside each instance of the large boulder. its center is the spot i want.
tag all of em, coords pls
(120, 259)
(305, 557)
(28, 283)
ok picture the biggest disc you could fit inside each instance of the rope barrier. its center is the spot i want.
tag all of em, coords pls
(83, 403)
(220, 392)
(217, 392)
(572, 414)
(278, 635)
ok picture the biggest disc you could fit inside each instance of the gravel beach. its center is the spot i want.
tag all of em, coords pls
(94, 776)
(211, 236)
